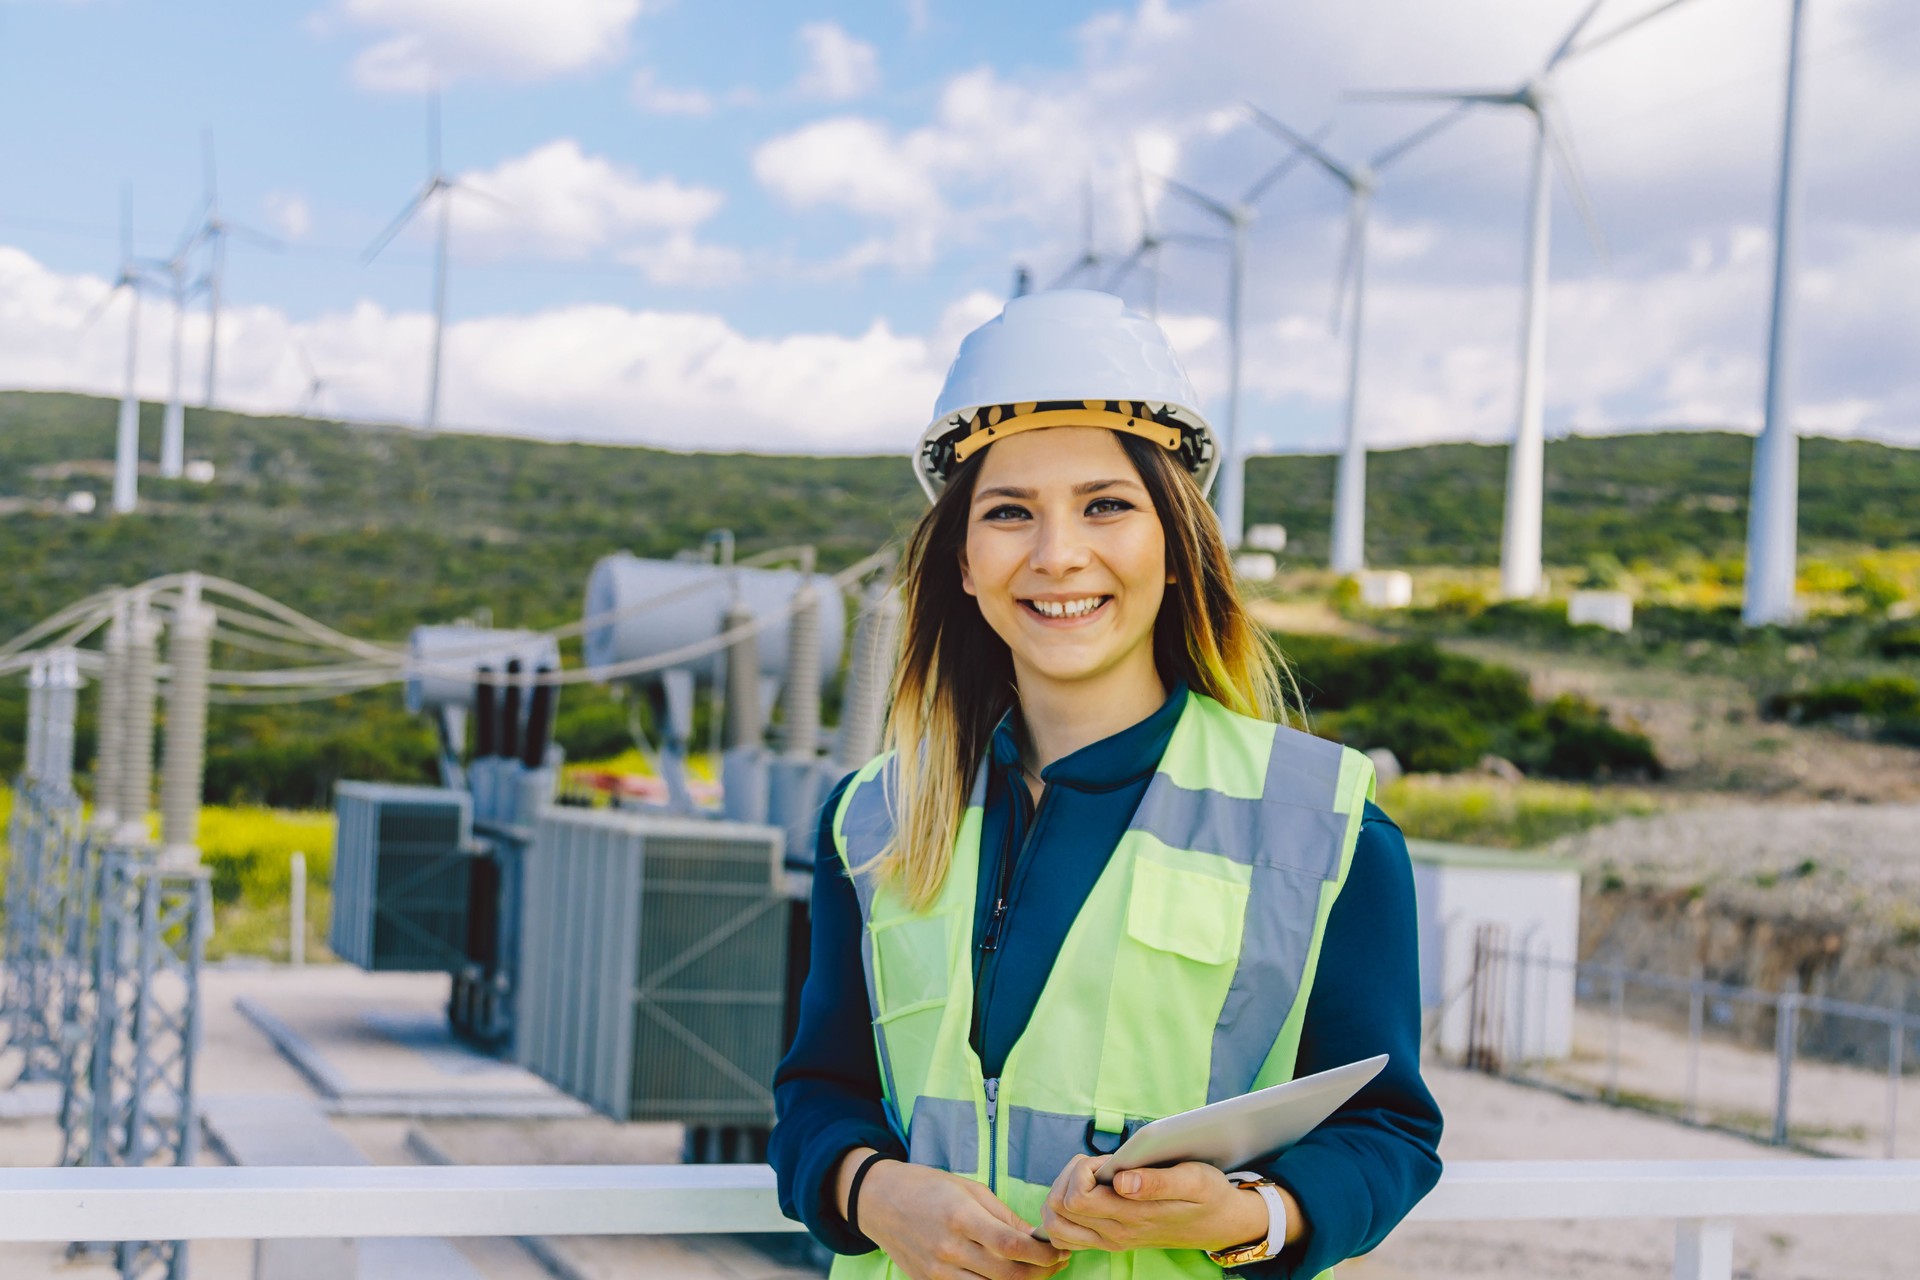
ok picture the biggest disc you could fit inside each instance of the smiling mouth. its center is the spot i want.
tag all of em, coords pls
(1066, 610)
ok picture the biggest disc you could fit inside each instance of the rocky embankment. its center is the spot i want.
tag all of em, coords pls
(1757, 895)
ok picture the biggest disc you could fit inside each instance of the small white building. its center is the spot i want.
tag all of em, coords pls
(1386, 588)
(1610, 609)
(1267, 537)
(1255, 566)
(1530, 905)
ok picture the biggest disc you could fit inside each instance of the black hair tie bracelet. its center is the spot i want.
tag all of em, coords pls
(853, 1189)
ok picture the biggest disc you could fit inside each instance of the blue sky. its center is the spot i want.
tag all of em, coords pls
(775, 221)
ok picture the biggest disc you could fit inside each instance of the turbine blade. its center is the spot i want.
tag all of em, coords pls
(1127, 266)
(1273, 175)
(433, 131)
(1562, 143)
(1445, 120)
(393, 228)
(99, 309)
(468, 189)
(1086, 214)
(1197, 241)
(1140, 190)
(259, 238)
(206, 156)
(1086, 262)
(1488, 97)
(1302, 143)
(1623, 28)
(1566, 44)
(1349, 258)
(1192, 197)
(126, 225)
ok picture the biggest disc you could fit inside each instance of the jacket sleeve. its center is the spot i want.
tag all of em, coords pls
(1357, 1175)
(826, 1092)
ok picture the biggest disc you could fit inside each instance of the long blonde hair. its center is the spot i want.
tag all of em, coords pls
(955, 678)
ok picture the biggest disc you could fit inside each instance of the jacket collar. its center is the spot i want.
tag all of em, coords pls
(1114, 761)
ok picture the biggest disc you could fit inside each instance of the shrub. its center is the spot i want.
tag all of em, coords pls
(1440, 712)
(1873, 696)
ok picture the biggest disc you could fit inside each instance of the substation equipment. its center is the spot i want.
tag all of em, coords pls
(645, 957)
(106, 927)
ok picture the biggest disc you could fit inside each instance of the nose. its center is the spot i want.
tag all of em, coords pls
(1059, 548)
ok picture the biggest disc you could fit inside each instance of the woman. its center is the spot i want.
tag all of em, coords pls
(1104, 885)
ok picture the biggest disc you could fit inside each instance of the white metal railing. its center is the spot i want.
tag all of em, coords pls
(1705, 1198)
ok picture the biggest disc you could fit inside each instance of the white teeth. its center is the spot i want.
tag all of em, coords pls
(1068, 608)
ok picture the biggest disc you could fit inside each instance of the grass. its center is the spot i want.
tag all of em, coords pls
(1507, 815)
(248, 852)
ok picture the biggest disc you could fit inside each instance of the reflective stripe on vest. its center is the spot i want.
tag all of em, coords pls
(1183, 979)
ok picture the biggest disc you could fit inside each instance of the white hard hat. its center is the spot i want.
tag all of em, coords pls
(1066, 357)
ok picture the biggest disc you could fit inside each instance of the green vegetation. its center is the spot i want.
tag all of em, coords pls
(1658, 497)
(1441, 712)
(376, 529)
(1887, 705)
(1505, 815)
(249, 852)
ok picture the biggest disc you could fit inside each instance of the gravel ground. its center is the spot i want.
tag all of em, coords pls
(1815, 860)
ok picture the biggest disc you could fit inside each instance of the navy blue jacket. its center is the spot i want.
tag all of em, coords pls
(1355, 1176)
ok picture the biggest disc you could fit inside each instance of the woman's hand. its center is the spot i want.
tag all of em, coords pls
(1187, 1206)
(935, 1225)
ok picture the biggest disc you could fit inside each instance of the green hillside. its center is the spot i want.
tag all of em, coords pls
(375, 528)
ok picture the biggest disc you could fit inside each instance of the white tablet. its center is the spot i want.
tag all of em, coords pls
(1236, 1132)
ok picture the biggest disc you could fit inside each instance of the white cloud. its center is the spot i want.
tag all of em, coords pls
(1677, 346)
(681, 260)
(289, 213)
(423, 42)
(558, 201)
(592, 372)
(658, 99)
(839, 67)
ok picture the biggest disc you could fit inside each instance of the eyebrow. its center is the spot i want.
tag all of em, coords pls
(1090, 486)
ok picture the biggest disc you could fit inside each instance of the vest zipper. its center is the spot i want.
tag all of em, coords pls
(993, 1132)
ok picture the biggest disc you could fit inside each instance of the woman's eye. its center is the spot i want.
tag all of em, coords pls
(1106, 506)
(1005, 511)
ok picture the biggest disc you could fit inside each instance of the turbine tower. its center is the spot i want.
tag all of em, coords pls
(1235, 219)
(1349, 542)
(173, 428)
(1773, 514)
(1088, 263)
(1147, 252)
(213, 232)
(1520, 575)
(126, 452)
(439, 186)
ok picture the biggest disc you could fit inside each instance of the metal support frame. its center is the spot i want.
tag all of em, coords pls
(129, 1079)
(43, 882)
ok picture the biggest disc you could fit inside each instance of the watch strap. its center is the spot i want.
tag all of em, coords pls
(1276, 1237)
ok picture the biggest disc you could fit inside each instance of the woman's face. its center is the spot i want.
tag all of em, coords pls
(1065, 553)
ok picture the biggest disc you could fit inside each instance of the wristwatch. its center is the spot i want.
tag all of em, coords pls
(1276, 1237)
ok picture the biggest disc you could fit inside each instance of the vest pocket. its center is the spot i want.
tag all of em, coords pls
(914, 959)
(1185, 912)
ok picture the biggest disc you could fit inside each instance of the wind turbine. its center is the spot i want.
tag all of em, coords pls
(443, 187)
(316, 385)
(1088, 263)
(1235, 218)
(213, 232)
(173, 429)
(132, 278)
(1520, 530)
(1147, 251)
(1349, 542)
